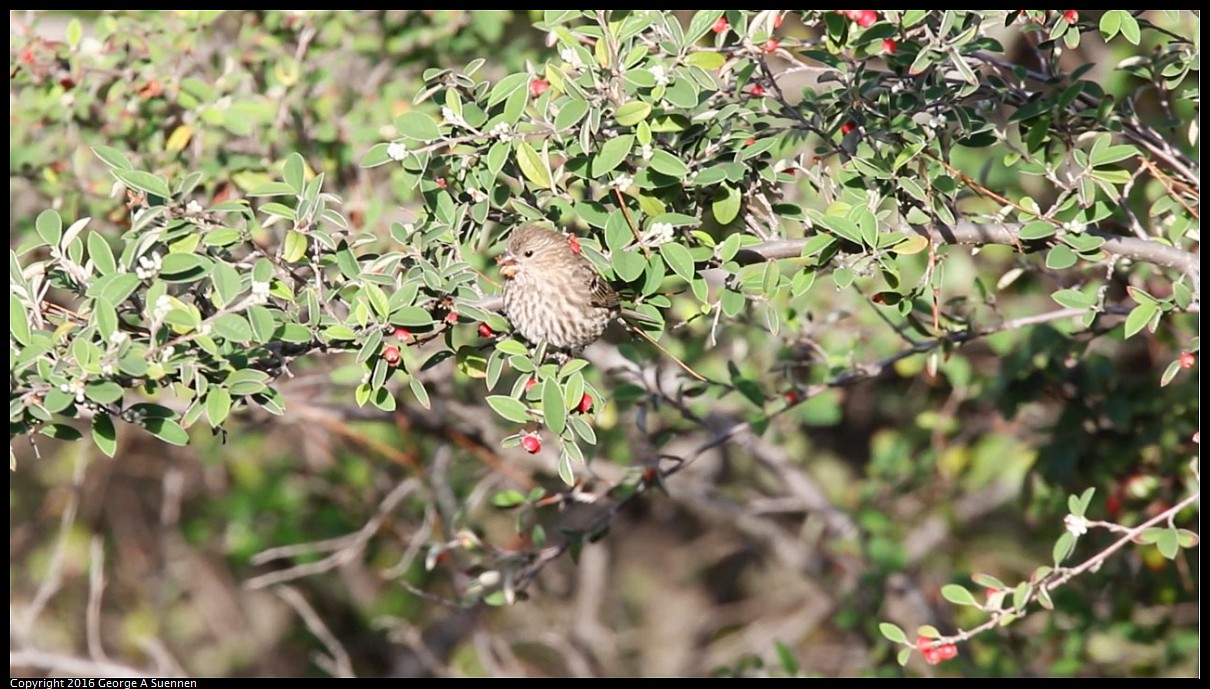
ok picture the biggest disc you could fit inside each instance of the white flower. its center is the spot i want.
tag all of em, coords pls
(502, 131)
(571, 57)
(476, 195)
(260, 291)
(645, 150)
(659, 233)
(661, 76)
(149, 267)
(193, 206)
(108, 369)
(397, 151)
(117, 338)
(163, 304)
(622, 182)
(1076, 526)
(450, 117)
(223, 103)
(1073, 226)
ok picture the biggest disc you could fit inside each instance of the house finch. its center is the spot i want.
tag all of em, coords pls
(553, 294)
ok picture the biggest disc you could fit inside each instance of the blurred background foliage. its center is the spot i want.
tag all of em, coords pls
(776, 555)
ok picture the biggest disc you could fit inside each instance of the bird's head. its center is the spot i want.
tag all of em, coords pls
(531, 250)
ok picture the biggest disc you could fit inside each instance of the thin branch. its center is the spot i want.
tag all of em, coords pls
(70, 665)
(340, 665)
(344, 548)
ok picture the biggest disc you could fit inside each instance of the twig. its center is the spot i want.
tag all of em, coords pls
(96, 584)
(344, 548)
(340, 665)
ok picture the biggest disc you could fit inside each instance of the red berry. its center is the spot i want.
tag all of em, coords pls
(532, 443)
(720, 26)
(847, 127)
(866, 18)
(402, 334)
(791, 397)
(889, 45)
(530, 383)
(538, 86)
(1113, 505)
(441, 182)
(1188, 360)
(574, 242)
(749, 141)
(935, 654)
(1071, 16)
(390, 354)
(649, 475)
(485, 330)
(771, 45)
(757, 90)
(451, 317)
(585, 405)
(1197, 436)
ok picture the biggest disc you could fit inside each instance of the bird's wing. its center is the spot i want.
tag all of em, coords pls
(600, 294)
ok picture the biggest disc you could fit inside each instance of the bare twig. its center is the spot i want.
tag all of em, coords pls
(344, 548)
(338, 664)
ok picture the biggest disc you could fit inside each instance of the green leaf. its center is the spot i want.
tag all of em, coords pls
(113, 158)
(103, 391)
(566, 472)
(553, 411)
(218, 406)
(417, 125)
(508, 408)
(18, 320)
(1038, 229)
(1074, 299)
(700, 24)
(892, 633)
(957, 594)
(628, 265)
(571, 113)
(185, 267)
(101, 254)
(263, 325)
(233, 328)
(377, 155)
(707, 60)
(104, 434)
(630, 114)
(411, 316)
(1168, 544)
(49, 227)
(726, 204)
(419, 392)
(144, 181)
(612, 153)
(1060, 257)
(679, 259)
(246, 382)
(506, 499)
(1112, 154)
(533, 166)
(167, 430)
(294, 172)
(1063, 547)
(668, 164)
(1139, 318)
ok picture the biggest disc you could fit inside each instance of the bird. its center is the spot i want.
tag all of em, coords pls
(552, 293)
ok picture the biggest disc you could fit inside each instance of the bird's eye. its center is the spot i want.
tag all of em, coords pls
(529, 252)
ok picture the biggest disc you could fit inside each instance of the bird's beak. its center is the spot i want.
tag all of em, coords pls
(508, 264)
